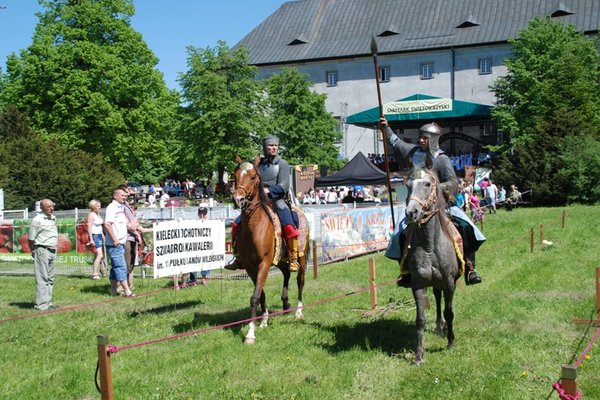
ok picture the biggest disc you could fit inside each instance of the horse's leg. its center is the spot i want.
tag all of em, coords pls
(264, 322)
(439, 322)
(300, 283)
(449, 314)
(419, 295)
(285, 290)
(250, 336)
(257, 296)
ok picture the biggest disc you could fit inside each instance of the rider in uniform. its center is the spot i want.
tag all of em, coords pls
(429, 146)
(275, 176)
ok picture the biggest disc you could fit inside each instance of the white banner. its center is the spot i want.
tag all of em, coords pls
(417, 106)
(188, 246)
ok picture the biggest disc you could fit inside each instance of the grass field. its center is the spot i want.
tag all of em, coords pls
(513, 331)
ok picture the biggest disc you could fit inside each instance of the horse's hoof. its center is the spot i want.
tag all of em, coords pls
(299, 314)
(250, 340)
(417, 362)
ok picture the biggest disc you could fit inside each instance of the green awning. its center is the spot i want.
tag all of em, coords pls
(422, 108)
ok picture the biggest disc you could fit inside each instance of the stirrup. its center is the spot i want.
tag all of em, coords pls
(294, 265)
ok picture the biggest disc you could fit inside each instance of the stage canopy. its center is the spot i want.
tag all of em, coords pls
(358, 171)
(417, 109)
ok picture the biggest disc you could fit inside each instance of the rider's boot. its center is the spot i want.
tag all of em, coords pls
(291, 238)
(404, 280)
(234, 264)
(471, 275)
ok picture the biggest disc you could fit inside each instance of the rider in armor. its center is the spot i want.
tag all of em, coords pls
(429, 146)
(275, 176)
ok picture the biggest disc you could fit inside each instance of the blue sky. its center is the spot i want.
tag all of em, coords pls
(168, 26)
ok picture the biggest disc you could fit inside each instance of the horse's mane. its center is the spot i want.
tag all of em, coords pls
(441, 200)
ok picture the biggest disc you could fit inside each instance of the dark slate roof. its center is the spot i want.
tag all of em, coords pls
(306, 30)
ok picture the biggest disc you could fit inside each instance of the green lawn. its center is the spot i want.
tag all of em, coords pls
(513, 331)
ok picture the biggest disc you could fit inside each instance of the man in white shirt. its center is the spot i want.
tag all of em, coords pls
(43, 238)
(115, 222)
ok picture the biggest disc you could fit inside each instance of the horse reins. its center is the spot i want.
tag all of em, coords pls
(248, 196)
(428, 204)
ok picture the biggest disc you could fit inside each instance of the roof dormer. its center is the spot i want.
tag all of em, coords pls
(389, 31)
(301, 39)
(469, 22)
(561, 10)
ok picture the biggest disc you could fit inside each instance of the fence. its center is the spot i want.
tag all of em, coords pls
(339, 231)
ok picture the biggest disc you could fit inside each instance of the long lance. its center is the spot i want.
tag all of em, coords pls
(382, 129)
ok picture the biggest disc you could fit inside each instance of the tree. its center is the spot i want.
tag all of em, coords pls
(222, 115)
(549, 97)
(33, 168)
(88, 81)
(298, 116)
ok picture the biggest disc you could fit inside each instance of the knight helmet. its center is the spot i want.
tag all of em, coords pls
(432, 131)
(268, 141)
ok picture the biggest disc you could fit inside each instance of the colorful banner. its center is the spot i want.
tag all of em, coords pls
(187, 246)
(71, 248)
(354, 232)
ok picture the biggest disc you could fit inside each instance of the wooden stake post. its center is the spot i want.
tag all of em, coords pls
(373, 288)
(568, 375)
(104, 363)
(531, 240)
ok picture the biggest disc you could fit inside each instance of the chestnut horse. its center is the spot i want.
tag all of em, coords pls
(259, 242)
(431, 255)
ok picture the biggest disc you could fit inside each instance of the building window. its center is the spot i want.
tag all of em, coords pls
(485, 66)
(427, 70)
(339, 124)
(384, 74)
(488, 130)
(332, 78)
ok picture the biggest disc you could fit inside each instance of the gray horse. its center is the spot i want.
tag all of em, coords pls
(430, 253)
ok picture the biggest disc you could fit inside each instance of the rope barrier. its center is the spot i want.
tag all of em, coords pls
(588, 348)
(116, 349)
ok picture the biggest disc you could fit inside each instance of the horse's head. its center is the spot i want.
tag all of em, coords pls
(423, 188)
(247, 182)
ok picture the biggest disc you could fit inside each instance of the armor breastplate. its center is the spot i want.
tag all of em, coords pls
(268, 172)
(418, 157)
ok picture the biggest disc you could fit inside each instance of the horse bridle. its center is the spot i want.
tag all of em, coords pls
(428, 205)
(248, 196)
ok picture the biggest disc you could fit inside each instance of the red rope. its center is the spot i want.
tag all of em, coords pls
(564, 395)
(587, 348)
(79, 306)
(116, 349)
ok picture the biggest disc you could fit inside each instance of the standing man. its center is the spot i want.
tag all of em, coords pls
(134, 240)
(275, 175)
(428, 146)
(43, 238)
(491, 193)
(115, 222)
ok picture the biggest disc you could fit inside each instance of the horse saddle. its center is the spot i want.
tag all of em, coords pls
(280, 253)
(457, 240)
